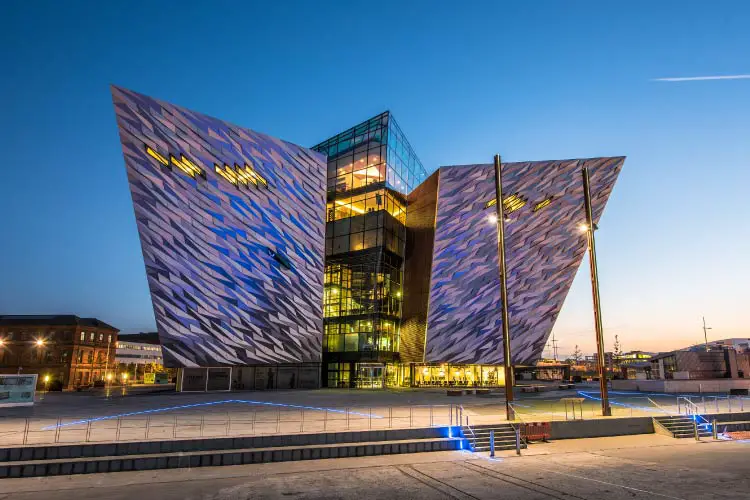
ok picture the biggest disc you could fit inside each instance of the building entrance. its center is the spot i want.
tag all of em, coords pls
(369, 376)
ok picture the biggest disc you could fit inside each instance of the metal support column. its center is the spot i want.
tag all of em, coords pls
(507, 360)
(606, 410)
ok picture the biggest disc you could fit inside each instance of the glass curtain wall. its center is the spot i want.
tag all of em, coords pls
(370, 169)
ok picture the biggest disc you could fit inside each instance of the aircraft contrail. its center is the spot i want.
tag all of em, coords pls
(702, 78)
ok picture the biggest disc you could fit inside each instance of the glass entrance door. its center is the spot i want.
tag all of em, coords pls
(369, 376)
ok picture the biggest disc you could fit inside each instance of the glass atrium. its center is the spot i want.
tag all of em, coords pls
(371, 167)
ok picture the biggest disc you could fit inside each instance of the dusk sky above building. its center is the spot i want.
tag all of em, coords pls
(529, 80)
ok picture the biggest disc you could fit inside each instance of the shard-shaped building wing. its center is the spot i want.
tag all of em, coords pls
(452, 279)
(232, 227)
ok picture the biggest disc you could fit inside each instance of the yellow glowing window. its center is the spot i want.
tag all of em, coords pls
(542, 204)
(186, 166)
(510, 204)
(255, 175)
(227, 173)
(156, 156)
(191, 166)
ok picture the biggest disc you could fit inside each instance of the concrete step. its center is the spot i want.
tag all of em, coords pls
(152, 461)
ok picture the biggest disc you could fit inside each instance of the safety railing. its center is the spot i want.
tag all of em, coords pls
(152, 425)
(473, 438)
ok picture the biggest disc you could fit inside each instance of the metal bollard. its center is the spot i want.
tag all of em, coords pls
(715, 432)
(518, 440)
(451, 416)
(492, 443)
(695, 429)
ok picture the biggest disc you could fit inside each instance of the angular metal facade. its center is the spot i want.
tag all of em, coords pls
(232, 229)
(544, 248)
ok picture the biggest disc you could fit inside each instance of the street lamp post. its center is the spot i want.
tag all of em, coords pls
(106, 361)
(589, 229)
(507, 361)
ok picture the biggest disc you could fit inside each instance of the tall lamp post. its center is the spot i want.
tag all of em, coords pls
(589, 228)
(507, 362)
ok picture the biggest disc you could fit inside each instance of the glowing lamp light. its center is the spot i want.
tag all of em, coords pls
(46, 379)
(124, 376)
(2, 342)
(583, 227)
(109, 376)
(492, 219)
(39, 342)
(425, 370)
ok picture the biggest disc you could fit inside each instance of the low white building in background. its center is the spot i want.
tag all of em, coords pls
(139, 349)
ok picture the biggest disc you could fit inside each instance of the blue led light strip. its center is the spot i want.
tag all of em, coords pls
(195, 405)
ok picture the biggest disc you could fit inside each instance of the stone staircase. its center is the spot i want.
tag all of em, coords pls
(681, 426)
(478, 437)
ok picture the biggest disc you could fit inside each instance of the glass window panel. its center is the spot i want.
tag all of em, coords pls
(343, 183)
(342, 227)
(355, 242)
(352, 342)
(371, 239)
(344, 164)
(341, 244)
(371, 221)
(360, 177)
(357, 224)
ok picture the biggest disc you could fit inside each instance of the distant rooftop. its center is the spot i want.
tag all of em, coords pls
(52, 319)
(141, 338)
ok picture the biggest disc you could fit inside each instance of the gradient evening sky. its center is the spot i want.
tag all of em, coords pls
(530, 80)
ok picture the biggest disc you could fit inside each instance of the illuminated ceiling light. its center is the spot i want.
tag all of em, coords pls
(350, 207)
(156, 156)
(543, 204)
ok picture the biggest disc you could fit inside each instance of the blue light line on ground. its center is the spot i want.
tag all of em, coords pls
(613, 402)
(210, 403)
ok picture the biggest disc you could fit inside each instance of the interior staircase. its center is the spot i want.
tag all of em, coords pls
(478, 437)
(681, 426)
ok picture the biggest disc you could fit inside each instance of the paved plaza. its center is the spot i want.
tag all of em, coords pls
(139, 415)
(627, 467)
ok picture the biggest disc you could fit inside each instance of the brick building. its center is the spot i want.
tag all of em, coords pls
(72, 351)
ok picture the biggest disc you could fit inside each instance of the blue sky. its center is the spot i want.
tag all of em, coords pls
(530, 80)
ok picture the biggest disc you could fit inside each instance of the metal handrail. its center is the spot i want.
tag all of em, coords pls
(468, 426)
(251, 422)
(658, 405)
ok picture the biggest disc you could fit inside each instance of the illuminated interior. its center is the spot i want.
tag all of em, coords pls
(447, 375)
